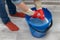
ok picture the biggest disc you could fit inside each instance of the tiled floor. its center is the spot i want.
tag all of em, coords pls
(24, 32)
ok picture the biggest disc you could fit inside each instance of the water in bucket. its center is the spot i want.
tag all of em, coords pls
(39, 22)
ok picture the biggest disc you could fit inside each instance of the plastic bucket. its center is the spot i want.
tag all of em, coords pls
(40, 30)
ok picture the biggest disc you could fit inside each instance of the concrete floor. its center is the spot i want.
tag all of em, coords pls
(24, 32)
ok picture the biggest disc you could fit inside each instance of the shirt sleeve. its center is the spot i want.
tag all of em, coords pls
(16, 1)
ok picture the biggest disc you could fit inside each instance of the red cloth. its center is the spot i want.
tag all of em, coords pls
(39, 14)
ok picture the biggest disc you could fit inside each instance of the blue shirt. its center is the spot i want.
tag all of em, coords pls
(16, 1)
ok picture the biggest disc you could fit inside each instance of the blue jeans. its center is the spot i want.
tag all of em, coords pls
(3, 13)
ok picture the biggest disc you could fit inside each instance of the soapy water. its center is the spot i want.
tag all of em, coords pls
(38, 22)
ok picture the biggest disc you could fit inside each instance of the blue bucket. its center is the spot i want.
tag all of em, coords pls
(40, 30)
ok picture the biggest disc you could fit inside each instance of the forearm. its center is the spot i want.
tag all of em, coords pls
(23, 6)
(20, 4)
(37, 3)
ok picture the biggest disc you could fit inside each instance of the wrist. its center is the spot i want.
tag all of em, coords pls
(29, 12)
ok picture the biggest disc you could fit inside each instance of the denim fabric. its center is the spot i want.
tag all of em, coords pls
(3, 13)
(11, 7)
